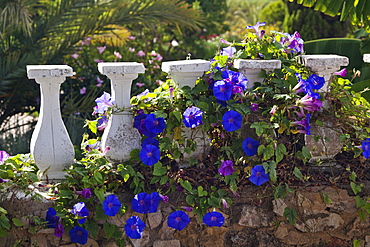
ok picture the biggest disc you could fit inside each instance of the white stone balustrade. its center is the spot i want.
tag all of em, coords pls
(251, 68)
(186, 72)
(366, 58)
(329, 144)
(120, 135)
(51, 146)
(324, 65)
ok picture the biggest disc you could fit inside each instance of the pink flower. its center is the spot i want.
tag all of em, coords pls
(117, 54)
(83, 90)
(159, 82)
(153, 54)
(158, 57)
(341, 73)
(86, 41)
(98, 60)
(101, 49)
(131, 37)
(130, 49)
(140, 84)
(273, 110)
(75, 56)
(140, 53)
(224, 203)
(224, 41)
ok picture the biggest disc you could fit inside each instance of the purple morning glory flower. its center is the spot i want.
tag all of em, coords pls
(366, 148)
(150, 141)
(80, 210)
(139, 123)
(254, 106)
(111, 205)
(250, 146)
(86, 193)
(232, 120)
(134, 227)
(228, 51)
(236, 78)
(307, 86)
(309, 104)
(150, 154)
(178, 220)
(259, 176)
(155, 198)
(102, 122)
(305, 123)
(78, 235)
(226, 168)
(213, 219)
(192, 117)
(59, 230)
(104, 102)
(3, 180)
(222, 90)
(256, 27)
(153, 124)
(3, 156)
(341, 73)
(51, 218)
(141, 203)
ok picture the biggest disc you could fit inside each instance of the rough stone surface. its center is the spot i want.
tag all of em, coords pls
(323, 222)
(252, 216)
(167, 243)
(279, 206)
(143, 241)
(155, 219)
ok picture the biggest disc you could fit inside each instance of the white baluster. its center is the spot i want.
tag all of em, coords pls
(185, 73)
(366, 58)
(51, 146)
(329, 144)
(120, 135)
(251, 68)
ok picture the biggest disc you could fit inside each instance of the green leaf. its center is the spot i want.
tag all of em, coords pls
(291, 214)
(367, 207)
(177, 115)
(280, 152)
(280, 192)
(187, 185)
(306, 153)
(109, 229)
(190, 200)
(121, 242)
(100, 215)
(99, 192)
(92, 228)
(327, 200)
(355, 188)
(98, 177)
(356, 243)
(159, 170)
(362, 214)
(359, 202)
(214, 201)
(201, 192)
(3, 233)
(260, 127)
(65, 194)
(17, 222)
(298, 173)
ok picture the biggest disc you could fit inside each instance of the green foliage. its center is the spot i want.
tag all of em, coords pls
(274, 13)
(313, 24)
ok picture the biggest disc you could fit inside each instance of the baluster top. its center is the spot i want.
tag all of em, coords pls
(193, 65)
(47, 71)
(121, 68)
(313, 61)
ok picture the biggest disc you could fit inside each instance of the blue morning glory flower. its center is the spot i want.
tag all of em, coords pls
(228, 51)
(315, 81)
(178, 220)
(134, 227)
(366, 148)
(155, 198)
(139, 123)
(192, 117)
(153, 124)
(150, 154)
(78, 235)
(80, 210)
(259, 176)
(222, 90)
(150, 141)
(141, 203)
(213, 219)
(51, 218)
(250, 146)
(111, 205)
(232, 120)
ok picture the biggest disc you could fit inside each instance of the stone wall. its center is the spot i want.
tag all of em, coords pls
(254, 219)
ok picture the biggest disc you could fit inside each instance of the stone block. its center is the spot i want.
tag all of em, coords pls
(252, 216)
(167, 243)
